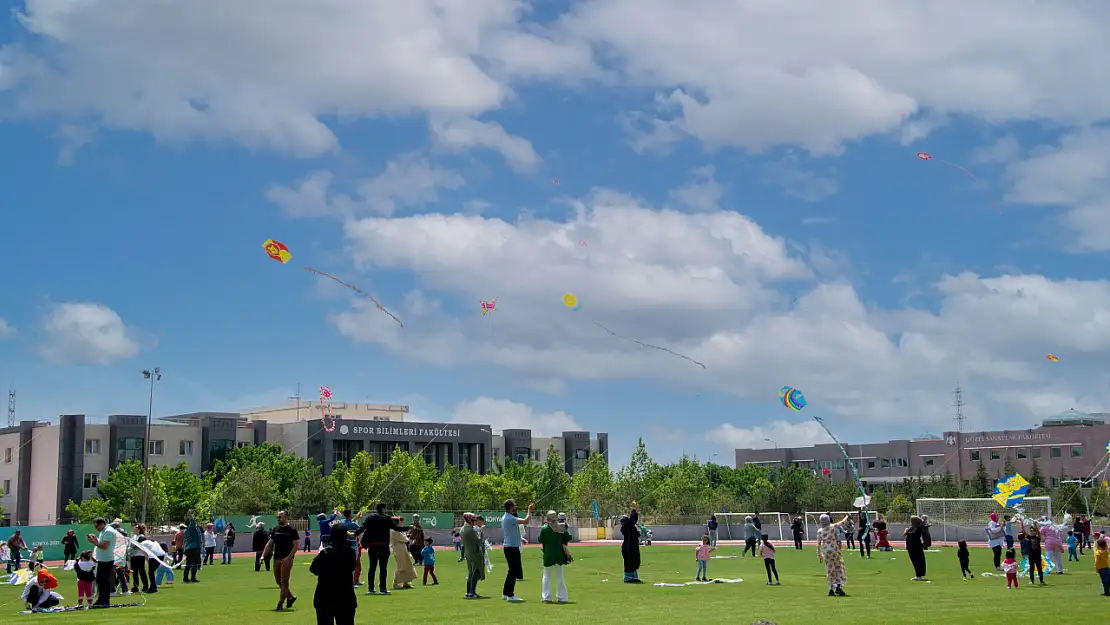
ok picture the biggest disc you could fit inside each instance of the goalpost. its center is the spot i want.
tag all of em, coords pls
(730, 525)
(966, 519)
(813, 520)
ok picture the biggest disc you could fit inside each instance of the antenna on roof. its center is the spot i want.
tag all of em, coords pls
(959, 405)
(11, 406)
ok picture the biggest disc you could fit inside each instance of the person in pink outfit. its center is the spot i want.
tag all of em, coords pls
(702, 556)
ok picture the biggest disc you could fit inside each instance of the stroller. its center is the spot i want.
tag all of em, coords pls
(645, 536)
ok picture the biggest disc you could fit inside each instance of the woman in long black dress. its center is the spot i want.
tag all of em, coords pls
(915, 549)
(334, 567)
(630, 548)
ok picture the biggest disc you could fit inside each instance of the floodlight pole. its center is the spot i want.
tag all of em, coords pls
(153, 375)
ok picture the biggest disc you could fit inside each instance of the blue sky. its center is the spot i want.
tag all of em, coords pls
(141, 181)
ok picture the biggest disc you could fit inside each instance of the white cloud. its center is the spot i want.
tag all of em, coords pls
(72, 138)
(798, 183)
(461, 134)
(704, 194)
(1074, 174)
(917, 129)
(502, 414)
(1004, 150)
(86, 333)
(781, 433)
(6, 331)
(406, 182)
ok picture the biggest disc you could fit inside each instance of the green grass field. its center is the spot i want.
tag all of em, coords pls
(880, 591)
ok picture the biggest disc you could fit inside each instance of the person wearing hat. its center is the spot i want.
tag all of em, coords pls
(324, 521)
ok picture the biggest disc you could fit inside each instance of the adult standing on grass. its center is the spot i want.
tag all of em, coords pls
(553, 542)
(325, 522)
(375, 539)
(229, 543)
(510, 525)
(404, 573)
(179, 544)
(751, 536)
(711, 525)
(258, 543)
(798, 529)
(475, 558)
(333, 566)
(356, 546)
(828, 553)
(915, 547)
(926, 537)
(69, 545)
(193, 543)
(630, 546)
(996, 535)
(16, 546)
(283, 546)
(104, 553)
(415, 540)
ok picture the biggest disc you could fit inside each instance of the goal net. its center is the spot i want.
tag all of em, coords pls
(953, 520)
(730, 525)
(813, 520)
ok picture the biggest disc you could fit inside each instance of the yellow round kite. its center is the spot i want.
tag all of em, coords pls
(570, 301)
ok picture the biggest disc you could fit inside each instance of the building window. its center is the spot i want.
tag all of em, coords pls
(928, 462)
(580, 458)
(521, 455)
(184, 448)
(1055, 482)
(157, 448)
(1036, 453)
(92, 446)
(1076, 452)
(870, 464)
(91, 480)
(996, 454)
(536, 455)
(218, 448)
(1022, 453)
(430, 454)
(886, 463)
(241, 444)
(903, 463)
(1055, 452)
(8, 455)
(497, 453)
(130, 450)
(464, 457)
(974, 455)
(7, 487)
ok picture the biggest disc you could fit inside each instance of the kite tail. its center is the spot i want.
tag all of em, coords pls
(642, 344)
(851, 465)
(978, 182)
(356, 290)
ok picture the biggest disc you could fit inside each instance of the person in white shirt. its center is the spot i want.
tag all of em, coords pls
(105, 556)
(209, 544)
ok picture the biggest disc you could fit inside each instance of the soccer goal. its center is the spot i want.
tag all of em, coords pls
(730, 525)
(967, 519)
(813, 520)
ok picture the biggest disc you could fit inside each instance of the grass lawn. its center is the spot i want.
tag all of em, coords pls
(880, 591)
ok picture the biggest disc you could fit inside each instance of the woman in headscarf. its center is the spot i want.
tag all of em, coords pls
(881, 533)
(334, 567)
(915, 548)
(416, 539)
(630, 547)
(38, 593)
(404, 571)
(926, 537)
(69, 544)
(553, 541)
(996, 536)
(475, 556)
(828, 552)
(1053, 541)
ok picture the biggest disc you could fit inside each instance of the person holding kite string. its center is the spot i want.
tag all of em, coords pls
(996, 535)
(630, 546)
(828, 553)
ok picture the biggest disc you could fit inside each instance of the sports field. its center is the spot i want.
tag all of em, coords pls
(880, 591)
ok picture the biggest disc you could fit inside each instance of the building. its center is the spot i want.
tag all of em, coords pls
(1072, 444)
(574, 448)
(45, 465)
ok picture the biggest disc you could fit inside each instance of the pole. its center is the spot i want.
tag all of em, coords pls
(146, 451)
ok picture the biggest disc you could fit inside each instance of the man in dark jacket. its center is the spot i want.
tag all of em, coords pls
(193, 543)
(258, 543)
(375, 540)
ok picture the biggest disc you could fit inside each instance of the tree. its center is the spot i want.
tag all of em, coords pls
(399, 483)
(309, 494)
(283, 468)
(900, 506)
(452, 491)
(553, 485)
(594, 483)
(123, 490)
(1037, 485)
(184, 490)
(89, 509)
(247, 489)
(1065, 498)
(1008, 467)
(685, 491)
(639, 479)
(981, 482)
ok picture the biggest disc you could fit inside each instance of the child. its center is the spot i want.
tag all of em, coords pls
(1008, 527)
(965, 560)
(308, 540)
(1102, 565)
(767, 550)
(429, 556)
(35, 558)
(86, 577)
(1010, 566)
(701, 554)
(1023, 543)
(163, 572)
(457, 538)
(1035, 562)
(1073, 542)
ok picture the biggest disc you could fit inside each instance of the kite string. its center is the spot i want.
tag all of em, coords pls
(643, 344)
(357, 290)
(977, 181)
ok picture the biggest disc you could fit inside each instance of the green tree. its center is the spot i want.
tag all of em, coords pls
(398, 483)
(284, 468)
(594, 483)
(880, 500)
(1067, 497)
(685, 491)
(123, 490)
(452, 491)
(1037, 485)
(1008, 467)
(309, 494)
(184, 490)
(982, 482)
(247, 489)
(900, 507)
(338, 483)
(553, 486)
(639, 479)
(88, 509)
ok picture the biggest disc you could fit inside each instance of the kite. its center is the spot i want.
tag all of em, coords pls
(277, 251)
(556, 181)
(571, 302)
(325, 409)
(489, 307)
(1052, 357)
(792, 398)
(1046, 563)
(855, 473)
(1010, 491)
(582, 243)
(925, 156)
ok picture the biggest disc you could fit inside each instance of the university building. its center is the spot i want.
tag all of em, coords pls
(1072, 444)
(44, 465)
